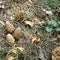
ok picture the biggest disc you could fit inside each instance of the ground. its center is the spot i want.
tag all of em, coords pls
(35, 27)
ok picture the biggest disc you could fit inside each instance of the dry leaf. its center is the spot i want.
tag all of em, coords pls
(58, 36)
(19, 16)
(18, 33)
(53, 58)
(10, 39)
(30, 1)
(9, 27)
(56, 53)
(14, 50)
(36, 39)
(2, 22)
(29, 23)
(10, 58)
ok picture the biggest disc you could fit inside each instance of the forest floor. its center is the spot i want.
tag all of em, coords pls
(29, 30)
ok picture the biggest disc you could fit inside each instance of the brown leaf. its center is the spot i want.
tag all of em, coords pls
(53, 58)
(36, 39)
(58, 36)
(18, 33)
(29, 23)
(19, 16)
(14, 51)
(10, 39)
(56, 53)
(9, 27)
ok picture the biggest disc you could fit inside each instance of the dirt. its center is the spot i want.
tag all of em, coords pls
(29, 31)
